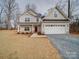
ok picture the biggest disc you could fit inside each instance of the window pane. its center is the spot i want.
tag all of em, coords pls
(27, 19)
(26, 29)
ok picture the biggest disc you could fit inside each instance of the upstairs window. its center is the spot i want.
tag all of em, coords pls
(27, 19)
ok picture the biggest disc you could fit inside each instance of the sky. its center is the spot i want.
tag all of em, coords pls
(42, 5)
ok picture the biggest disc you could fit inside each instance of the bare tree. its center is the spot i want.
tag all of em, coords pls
(30, 6)
(73, 6)
(1, 11)
(33, 7)
(17, 16)
(9, 9)
(62, 3)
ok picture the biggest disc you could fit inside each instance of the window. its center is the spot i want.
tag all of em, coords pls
(26, 29)
(27, 19)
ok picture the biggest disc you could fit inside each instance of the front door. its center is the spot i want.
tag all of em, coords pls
(35, 28)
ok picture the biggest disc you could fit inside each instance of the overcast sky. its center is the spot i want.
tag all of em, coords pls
(42, 5)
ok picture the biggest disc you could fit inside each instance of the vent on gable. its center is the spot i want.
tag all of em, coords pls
(55, 14)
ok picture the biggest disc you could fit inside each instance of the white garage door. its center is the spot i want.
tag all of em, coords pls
(54, 29)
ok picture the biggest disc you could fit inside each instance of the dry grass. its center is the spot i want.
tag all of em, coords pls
(20, 46)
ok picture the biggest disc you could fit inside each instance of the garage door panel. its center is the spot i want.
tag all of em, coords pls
(54, 30)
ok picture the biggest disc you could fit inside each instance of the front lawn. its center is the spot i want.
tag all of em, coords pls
(21, 46)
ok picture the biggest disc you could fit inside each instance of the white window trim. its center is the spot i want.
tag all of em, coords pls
(25, 29)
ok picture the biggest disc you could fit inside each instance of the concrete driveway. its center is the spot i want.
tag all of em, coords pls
(68, 45)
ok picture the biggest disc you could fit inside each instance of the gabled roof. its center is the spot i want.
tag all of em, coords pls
(48, 18)
(31, 12)
(61, 12)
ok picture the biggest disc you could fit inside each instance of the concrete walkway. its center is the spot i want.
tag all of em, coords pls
(36, 35)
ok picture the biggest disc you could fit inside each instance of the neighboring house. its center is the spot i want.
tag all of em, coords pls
(56, 22)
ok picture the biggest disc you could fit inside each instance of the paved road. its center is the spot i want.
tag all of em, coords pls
(67, 45)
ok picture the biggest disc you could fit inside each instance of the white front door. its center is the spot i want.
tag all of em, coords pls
(54, 29)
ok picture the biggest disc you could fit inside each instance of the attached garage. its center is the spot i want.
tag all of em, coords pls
(55, 22)
(54, 29)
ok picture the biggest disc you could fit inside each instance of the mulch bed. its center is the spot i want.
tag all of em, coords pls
(76, 33)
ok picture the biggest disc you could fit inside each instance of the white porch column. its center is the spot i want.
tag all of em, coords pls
(42, 28)
(18, 30)
(33, 29)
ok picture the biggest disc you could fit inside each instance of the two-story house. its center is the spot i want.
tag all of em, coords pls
(29, 22)
(56, 22)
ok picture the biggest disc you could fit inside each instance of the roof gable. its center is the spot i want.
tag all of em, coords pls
(30, 13)
(55, 14)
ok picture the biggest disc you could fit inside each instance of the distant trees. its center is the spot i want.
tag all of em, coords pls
(1, 11)
(74, 15)
(73, 8)
(9, 9)
(17, 15)
(63, 4)
(1, 14)
(31, 6)
(74, 26)
(77, 23)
